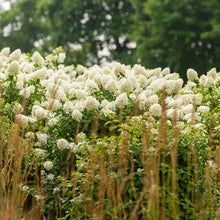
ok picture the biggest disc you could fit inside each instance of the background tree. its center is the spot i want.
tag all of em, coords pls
(89, 31)
(178, 34)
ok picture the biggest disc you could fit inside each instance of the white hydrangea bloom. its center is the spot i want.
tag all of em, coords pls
(42, 138)
(142, 80)
(98, 79)
(157, 84)
(23, 119)
(52, 122)
(30, 135)
(152, 100)
(142, 101)
(91, 86)
(209, 82)
(25, 93)
(92, 74)
(190, 85)
(20, 84)
(80, 106)
(111, 86)
(198, 98)
(73, 147)
(60, 95)
(1, 62)
(165, 71)
(202, 79)
(91, 103)
(106, 70)
(156, 110)
(192, 74)
(63, 144)
(133, 97)
(37, 58)
(61, 57)
(48, 165)
(40, 153)
(18, 108)
(50, 176)
(125, 85)
(187, 109)
(39, 113)
(157, 71)
(104, 103)
(138, 69)
(203, 109)
(118, 68)
(52, 104)
(186, 99)
(107, 112)
(121, 100)
(81, 137)
(178, 84)
(41, 73)
(15, 55)
(169, 85)
(28, 68)
(80, 94)
(76, 115)
(80, 69)
(5, 51)
(188, 117)
(212, 73)
(178, 113)
(13, 67)
(31, 89)
(68, 106)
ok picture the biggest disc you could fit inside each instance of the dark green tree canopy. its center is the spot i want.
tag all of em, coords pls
(179, 34)
(84, 28)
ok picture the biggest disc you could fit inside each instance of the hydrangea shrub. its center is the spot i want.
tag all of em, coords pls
(112, 122)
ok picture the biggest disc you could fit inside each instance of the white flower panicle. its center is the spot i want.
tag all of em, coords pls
(122, 100)
(15, 55)
(24, 120)
(76, 115)
(42, 138)
(91, 86)
(192, 74)
(41, 73)
(25, 93)
(13, 67)
(5, 51)
(48, 165)
(18, 108)
(39, 113)
(61, 57)
(156, 110)
(212, 73)
(40, 153)
(125, 85)
(203, 109)
(111, 86)
(37, 58)
(52, 122)
(68, 106)
(63, 144)
(91, 103)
